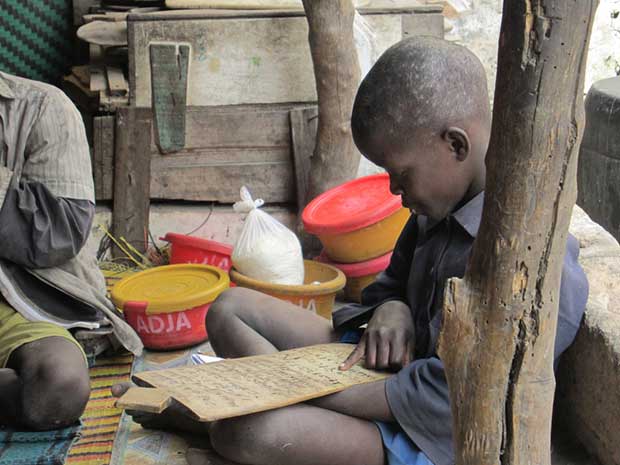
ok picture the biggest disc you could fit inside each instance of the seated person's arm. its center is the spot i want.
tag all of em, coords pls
(40, 230)
(46, 213)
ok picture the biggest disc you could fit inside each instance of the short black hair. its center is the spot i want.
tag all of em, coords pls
(420, 82)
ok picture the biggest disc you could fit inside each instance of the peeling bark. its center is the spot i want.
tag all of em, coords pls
(503, 313)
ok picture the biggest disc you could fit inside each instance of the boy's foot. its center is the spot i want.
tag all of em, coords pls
(172, 418)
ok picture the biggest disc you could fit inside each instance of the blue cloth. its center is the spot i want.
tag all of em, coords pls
(427, 254)
(36, 447)
(399, 449)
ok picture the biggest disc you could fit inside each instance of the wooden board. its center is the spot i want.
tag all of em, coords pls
(104, 33)
(116, 81)
(132, 170)
(430, 24)
(248, 385)
(240, 60)
(248, 144)
(103, 156)
(304, 124)
(169, 64)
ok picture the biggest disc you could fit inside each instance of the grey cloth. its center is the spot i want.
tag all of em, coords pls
(426, 255)
(46, 176)
(40, 230)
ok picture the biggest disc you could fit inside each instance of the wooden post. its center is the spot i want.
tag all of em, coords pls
(500, 319)
(132, 177)
(337, 74)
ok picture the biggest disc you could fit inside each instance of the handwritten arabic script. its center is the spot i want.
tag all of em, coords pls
(247, 385)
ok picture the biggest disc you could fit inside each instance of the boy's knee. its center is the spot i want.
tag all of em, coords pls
(55, 398)
(225, 306)
(249, 439)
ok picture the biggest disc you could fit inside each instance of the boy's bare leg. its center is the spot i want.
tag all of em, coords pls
(332, 431)
(10, 391)
(45, 386)
(298, 435)
(243, 322)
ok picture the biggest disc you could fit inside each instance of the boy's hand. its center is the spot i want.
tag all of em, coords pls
(389, 340)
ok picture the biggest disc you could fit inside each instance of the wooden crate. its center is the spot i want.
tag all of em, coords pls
(258, 57)
(226, 147)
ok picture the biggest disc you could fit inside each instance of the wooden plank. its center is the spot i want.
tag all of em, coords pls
(242, 386)
(273, 182)
(244, 61)
(104, 33)
(169, 65)
(116, 81)
(237, 127)
(428, 24)
(384, 7)
(82, 73)
(304, 124)
(98, 81)
(132, 171)
(103, 156)
(145, 400)
(251, 144)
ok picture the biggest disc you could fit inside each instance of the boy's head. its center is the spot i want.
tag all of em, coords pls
(423, 114)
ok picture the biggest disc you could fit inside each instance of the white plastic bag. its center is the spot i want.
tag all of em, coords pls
(266, 249)
(365, 43)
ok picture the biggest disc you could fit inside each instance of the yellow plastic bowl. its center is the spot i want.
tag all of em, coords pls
(365, 244)
(355, 286)
(318, 298)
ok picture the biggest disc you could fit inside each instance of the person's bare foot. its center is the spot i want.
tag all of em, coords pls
(172, 418)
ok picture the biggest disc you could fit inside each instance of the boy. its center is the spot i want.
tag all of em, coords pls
(423, 114)
(47, 284)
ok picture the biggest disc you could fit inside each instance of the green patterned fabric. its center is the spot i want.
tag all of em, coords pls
(36, 38)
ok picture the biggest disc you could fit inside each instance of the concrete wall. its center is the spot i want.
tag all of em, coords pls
(589, 378)
(222, 224)
(476, 24)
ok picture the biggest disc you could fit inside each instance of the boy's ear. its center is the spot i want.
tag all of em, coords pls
(459, 142)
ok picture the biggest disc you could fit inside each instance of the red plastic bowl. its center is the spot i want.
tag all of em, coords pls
(359, 275)
(168, 331)
(190, 249)
(351, 206)
(357, 270)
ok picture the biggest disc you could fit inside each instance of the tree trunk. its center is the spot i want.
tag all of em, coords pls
(500, 319)
(337, 75)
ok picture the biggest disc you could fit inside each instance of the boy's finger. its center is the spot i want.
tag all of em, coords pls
(397, 353)
(371, 351)
(355, 356)
(408, 357)
(121, 388)
(384, 349)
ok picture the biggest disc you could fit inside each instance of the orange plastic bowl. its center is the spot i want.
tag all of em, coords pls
(357, 221)
(318, 293)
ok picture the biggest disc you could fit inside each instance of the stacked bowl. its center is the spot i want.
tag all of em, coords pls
(358, 224)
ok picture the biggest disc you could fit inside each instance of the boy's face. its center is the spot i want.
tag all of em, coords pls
(428, 174)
